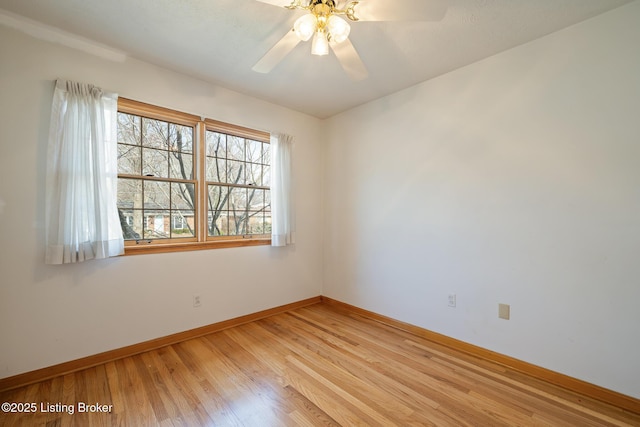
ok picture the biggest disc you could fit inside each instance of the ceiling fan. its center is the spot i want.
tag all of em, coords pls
(324, 24)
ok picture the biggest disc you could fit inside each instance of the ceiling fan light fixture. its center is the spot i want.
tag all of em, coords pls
(305, 27)
(320, 43)
(338, 28)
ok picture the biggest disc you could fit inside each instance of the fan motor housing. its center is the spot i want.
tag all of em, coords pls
(330, 3)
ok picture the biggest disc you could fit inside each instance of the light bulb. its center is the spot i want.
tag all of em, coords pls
(338, 29)
(305, 26)
(320, 44)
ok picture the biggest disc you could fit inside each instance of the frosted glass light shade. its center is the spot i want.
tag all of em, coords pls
(305, 26)
(338, 28)
(320, 44)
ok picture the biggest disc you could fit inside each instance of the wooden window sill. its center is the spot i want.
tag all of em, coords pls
(193, 246)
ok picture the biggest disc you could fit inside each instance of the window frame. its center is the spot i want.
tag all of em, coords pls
(202, 240)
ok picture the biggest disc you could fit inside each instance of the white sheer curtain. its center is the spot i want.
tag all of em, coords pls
(81, 214)
(282, 213)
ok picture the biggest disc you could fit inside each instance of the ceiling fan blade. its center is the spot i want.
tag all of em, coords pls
(406, 10)
(277, 53)
(350, 60)
(281, 3)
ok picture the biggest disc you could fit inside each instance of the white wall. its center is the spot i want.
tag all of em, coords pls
(53, 314)
(513, 180)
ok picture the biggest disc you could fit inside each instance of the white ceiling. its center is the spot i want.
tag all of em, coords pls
(220, 40)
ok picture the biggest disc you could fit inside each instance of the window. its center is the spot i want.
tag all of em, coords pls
(179, 223)
(238, 185)
(187, 183)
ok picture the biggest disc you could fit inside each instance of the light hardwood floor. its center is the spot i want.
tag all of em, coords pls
(314, 366)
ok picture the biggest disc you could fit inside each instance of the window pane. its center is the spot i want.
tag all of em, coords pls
(181, 165)
(238, 211)
(129, 207)
(254, 151)
(254, 174)
(216, 144)
(155, 163)
(182, 224)
(131, 223)
(266, 176)
(183, 196)
(156, 196)
(128, 159)
(216, 169)
(256, 200)
(235, 172)
(177, 222)
(156, 224)
(266, 154)
(218, 198)
(267, 200)
(128, 129)
(235, 148)
(237, 223)
(267, 224)
(238, 199)
(256, 224)
(155, 133)
(181, 138)
(218, 224)
(218, 201)
(129, 193)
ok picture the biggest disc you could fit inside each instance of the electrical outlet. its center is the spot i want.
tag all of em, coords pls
(452, 300)
(196, 301)
(504, 311)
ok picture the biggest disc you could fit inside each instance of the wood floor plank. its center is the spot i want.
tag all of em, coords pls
(366, 367)
(331, 403)
(247, 336)
(256, 373)
(308, 410)
(578, 410)
(181, 387)
(246, 399)
(137, 402)
(398, 366)
(449, 393)
(319, 394)
(386, 334)
(313, 366)
(173, 400)
(355, 375)
(202, 386)
(55, 395)
(328, 367)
